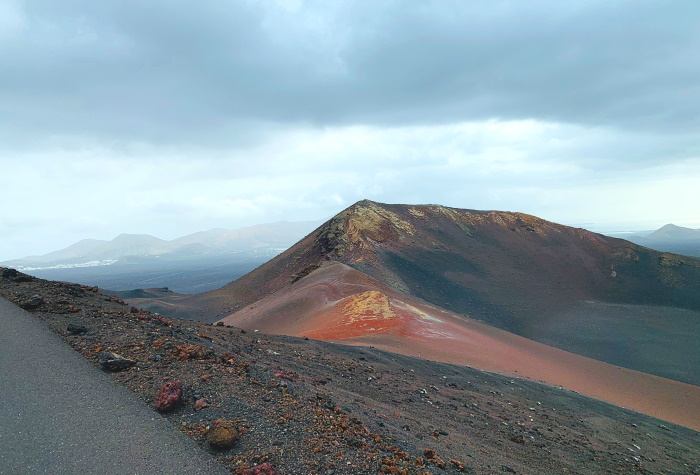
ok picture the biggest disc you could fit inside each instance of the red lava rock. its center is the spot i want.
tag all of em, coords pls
(134, 310)
(222, 434)
(228, 358)
(262, 469)
(169, 396)
(291, 376)
(205, 336)
(190, 352)
(434, 458)
(200, 404)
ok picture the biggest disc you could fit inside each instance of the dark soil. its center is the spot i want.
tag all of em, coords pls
(309, 407)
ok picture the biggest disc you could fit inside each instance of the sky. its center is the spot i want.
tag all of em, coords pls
(171, 117)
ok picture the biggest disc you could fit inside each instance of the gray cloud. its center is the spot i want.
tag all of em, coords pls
(169, 117)
(200, 71)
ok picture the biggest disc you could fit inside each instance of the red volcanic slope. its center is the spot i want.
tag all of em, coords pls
(519, 273)
(338, 303)
(507, 269)
(402, 277)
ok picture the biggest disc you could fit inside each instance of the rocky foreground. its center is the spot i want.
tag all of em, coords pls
(273, 404)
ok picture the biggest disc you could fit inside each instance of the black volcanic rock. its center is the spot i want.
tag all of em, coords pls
(9, 273)
(115, 362)
(33, 303)
(76, 329)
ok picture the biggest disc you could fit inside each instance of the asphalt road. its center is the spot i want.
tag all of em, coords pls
(59, 414)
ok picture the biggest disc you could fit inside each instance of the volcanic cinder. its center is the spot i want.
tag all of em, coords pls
(476, 288)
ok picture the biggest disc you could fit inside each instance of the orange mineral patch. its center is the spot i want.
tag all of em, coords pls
(359, 314)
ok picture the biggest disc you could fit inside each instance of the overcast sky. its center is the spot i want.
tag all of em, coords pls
(170, 117)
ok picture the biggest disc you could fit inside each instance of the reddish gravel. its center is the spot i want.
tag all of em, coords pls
(304, 406)
(337, 303)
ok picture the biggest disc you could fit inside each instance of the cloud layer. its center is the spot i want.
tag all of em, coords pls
(177, 116)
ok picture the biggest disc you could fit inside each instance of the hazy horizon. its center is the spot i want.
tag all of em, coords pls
(602, 228)
(169, 118)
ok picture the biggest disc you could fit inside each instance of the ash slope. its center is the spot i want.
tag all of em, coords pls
(583, 292)
(358, 410)
(338, 303)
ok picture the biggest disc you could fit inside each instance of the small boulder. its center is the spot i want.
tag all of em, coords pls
(434, 458)
(262, 469)
(190, 352)
(115, 362)
(169, 396)
(76, 329)
(228, 358)
(9, 273)
(200, 404)
(15, 276)
(222, 434)
(33, 303)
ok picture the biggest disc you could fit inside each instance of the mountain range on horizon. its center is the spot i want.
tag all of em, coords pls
(277, 236)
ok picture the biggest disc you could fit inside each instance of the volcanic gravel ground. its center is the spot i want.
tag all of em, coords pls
(305, 406)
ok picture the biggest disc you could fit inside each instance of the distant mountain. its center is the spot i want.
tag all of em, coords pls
(253, 237)
(76, 251)
(194, 263)
(127, 247)
(392, 274)
(671, 238)
(671, 232)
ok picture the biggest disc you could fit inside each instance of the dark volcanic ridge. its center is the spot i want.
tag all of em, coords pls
(304, 406)
(485, 263)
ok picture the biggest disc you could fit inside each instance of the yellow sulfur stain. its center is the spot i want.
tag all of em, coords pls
(365, 307)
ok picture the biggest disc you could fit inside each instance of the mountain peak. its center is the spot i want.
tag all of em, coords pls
(366, 225)
(365, 203)
(361, 226)
(672, 231)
